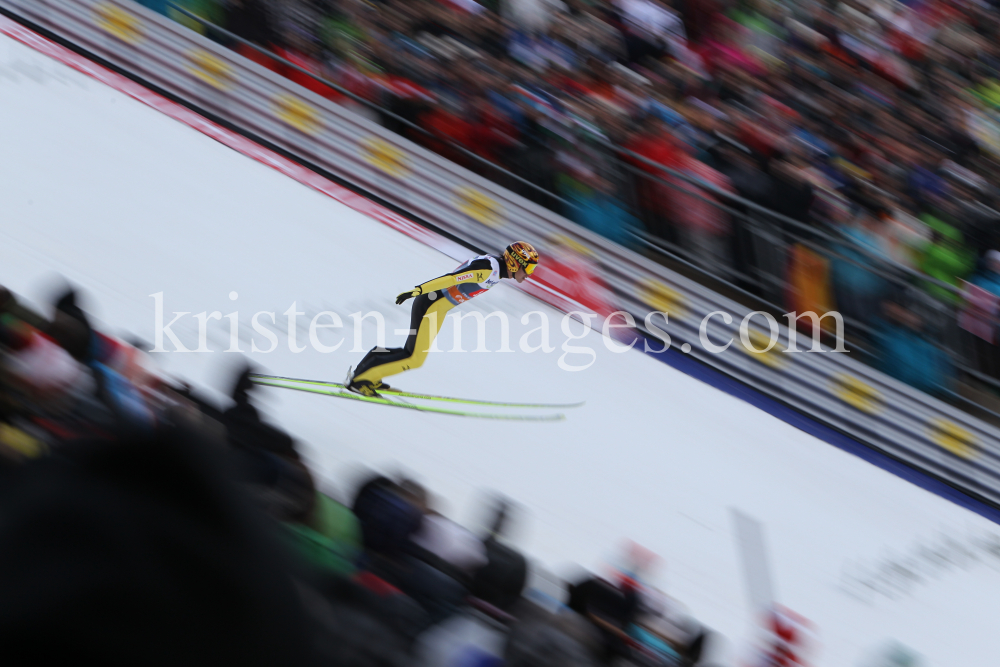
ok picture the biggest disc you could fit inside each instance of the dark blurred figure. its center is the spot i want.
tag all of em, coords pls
(611, 608)
(274, 467)
(533, 159)
(977, 218)
(103, 402)
(738, 165)
(388, 519)
(143, 552)
(250, 20)
(792, 193)
(478, 632)
(10, 306)
(442, 557)
(324, 533)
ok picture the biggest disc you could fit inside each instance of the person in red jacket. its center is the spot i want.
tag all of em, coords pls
(657, 146)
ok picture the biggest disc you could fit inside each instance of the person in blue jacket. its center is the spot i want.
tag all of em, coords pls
(595, 206)
(906, 353)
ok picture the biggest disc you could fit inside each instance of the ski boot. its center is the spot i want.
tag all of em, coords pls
(364, 387)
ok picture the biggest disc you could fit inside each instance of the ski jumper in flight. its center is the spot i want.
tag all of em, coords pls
(432, 301)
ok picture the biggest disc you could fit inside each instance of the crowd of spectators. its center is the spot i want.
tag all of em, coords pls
(142, 523)
(868, 128)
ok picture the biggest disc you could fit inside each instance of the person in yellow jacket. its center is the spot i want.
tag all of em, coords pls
(433, 300)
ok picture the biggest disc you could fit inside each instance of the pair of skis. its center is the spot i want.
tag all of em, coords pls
(338, 390)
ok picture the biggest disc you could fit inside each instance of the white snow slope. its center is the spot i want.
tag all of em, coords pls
(126, 202)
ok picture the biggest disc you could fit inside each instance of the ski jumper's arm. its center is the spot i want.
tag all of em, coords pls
(468, 274)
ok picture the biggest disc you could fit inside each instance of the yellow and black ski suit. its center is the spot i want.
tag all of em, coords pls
(433, 301)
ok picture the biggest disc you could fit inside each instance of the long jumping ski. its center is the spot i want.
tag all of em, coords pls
(261, 378)
(317, 388)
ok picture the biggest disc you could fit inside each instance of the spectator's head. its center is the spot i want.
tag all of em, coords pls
(416, 494)
(387, 517)
(242, 386)
(898, 309)
(70, 327)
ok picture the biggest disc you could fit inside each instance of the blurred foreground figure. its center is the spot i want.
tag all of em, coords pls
(148, 551)
(142, 551)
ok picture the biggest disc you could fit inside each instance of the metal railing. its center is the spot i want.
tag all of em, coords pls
(767, 232)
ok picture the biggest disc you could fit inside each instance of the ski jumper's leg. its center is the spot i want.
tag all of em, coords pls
(426, 320)
(376, 357)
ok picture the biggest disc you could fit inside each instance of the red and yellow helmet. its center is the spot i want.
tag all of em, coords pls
(520, 255)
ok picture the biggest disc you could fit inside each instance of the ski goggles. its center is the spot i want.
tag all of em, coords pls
(529, 267)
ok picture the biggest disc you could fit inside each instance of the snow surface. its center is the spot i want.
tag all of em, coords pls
(125, 203)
